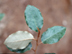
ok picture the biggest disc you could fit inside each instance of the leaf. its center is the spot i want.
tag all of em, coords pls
(22, 50)
(33, 18)
(1, 16)
(19, 40)
(49, 53)
(53, 34)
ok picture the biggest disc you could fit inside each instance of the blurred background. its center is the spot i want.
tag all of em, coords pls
(54, 12)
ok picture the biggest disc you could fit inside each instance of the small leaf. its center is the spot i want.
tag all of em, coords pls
(19, 40)
(49, 53)
(22, 50)
(33, 18)
(1, 16)
(53, 34)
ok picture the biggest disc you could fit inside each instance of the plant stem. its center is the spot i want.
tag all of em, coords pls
(37, 40)
(32, 49)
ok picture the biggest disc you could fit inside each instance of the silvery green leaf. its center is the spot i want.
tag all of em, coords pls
(22, 50)
(1, 16)
(33, 18)
(53, 34)
(19, 40)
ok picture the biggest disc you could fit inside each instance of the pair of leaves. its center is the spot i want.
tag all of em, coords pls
(19, 41)
(1, 16)
(34, 20)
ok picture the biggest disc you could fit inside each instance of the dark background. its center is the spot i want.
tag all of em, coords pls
(54, 12)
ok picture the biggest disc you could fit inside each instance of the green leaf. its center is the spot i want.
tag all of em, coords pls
(33, 18)
(22, 50)
(49, 53)
(53, 34)
(19, 40)
(1, 16)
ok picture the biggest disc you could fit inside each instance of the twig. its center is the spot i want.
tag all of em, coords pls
(37, 40)
(33, 49)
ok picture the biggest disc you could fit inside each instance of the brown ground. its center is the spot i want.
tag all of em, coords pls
(54, 12)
